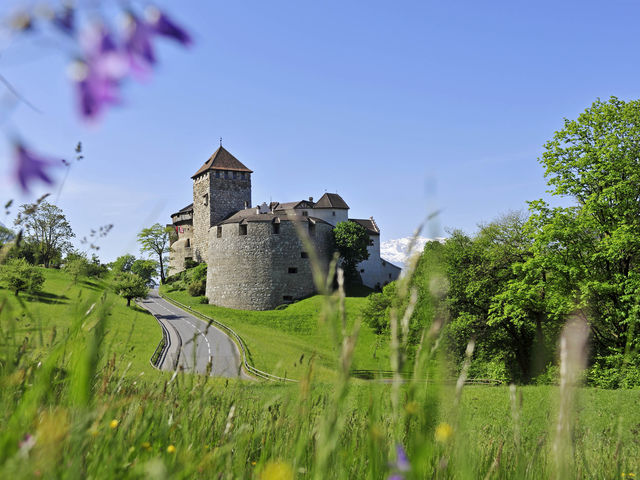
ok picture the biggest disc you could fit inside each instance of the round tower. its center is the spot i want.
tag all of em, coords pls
(257, 261)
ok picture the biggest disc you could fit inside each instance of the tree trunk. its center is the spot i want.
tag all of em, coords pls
(128, 302)
(161, 271)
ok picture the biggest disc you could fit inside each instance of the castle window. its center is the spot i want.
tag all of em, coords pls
(188, 243)
(305, 213)
(287, 298)
(235, 175)
(205, 199)
(219, 232)
(371, 242)
(312, 229)
(304, 255)
(242, 175)
(333, 213)
(362, 270)
(384, 264)
(389, 275)
(242, 230)
(293, 270)
(217, 173)
(276, 228)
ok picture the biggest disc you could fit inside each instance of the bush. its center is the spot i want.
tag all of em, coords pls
(614, 371)
(19, 276)
(197, 288)
(204, 300)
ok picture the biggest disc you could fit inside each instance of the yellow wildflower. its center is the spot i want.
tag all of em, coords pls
(171, 449)
(277, 471)
(444, 431)
(114, 424)
(146, 446)
(412, 408)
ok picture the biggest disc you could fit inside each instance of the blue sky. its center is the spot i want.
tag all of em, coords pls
(400, 107)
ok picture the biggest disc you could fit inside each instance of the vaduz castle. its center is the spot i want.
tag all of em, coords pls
(255, 258)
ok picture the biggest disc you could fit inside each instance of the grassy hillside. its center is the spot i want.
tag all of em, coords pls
(65, 412)
(131, 334)
(282, 341)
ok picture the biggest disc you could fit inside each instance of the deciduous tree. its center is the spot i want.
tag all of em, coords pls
(19, 276)
(129, 286)
(351, 241)
(46, 226)
(155, 240)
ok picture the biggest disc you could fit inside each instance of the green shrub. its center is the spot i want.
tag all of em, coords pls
(197, 288)
(19, 276)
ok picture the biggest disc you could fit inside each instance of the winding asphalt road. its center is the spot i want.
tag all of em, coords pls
(193, 342)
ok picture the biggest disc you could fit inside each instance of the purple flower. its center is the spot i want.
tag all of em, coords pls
(99, 75)
(30, 167)
(138, 45)
(65, 20)
(161, 24)
(401, 464)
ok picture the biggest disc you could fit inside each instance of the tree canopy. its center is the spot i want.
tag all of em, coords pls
(351, 241)
(155, 240)
(19, 276)
(47, 230)
(130, 286)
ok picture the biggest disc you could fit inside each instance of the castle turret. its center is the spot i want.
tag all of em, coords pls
(221, 187)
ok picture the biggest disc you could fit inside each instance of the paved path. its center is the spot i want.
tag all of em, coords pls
(193, 343)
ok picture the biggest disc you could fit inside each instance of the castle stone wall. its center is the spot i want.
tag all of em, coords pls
(252, 271)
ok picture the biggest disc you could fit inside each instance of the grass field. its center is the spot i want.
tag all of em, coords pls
(279, 341)
(132, 334)
(67, 412)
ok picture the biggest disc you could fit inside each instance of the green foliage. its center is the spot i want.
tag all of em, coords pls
(129, 285)
(197, 280)
(145, 269)
(19, 276)
(351, 242)
(377, 310)
(76, 267)
(47, 232)
(155, 240)
(123, 263)
(6, 235)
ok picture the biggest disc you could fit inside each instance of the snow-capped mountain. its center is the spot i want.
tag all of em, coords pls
(397, 250)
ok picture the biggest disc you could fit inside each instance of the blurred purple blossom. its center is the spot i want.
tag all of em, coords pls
(163, 25)
(30, 167)
(64, 20)
(401, 465)
(137, 44)
(98, 76)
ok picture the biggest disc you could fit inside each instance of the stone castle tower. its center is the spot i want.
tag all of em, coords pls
(221, 187)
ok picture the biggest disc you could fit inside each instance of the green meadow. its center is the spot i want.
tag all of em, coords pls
(279, 341)
(85, 403)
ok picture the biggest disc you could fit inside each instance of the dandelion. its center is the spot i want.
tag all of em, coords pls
(443, 433)
(171, 449)
(114, 424)
(277, 470)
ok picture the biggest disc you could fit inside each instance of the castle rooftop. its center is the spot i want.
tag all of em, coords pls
(331, 200)
(251, 215)
(222, 160)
